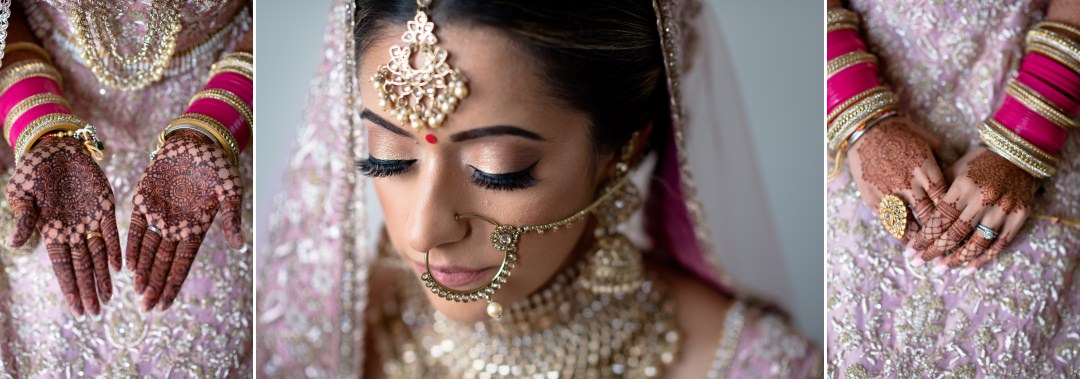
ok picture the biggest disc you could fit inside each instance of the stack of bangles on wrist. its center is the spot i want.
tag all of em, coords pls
(856, 100)
(1041, 102)
(222, 111)
(33, 107)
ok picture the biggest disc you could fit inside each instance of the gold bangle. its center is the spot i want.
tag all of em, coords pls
(1057, 56)
(28, 69)
(841, 16)
(842, 26)
(1061, 27)
(28, 46)
(1055, 41)
(28, 103)
(1015, 154)
(228, 98)
(997, 128)
(43, 125)
(242, 56)
(1038, 104)
(239, 69)
(214, 127)
(854, 99)
(850, 118)
(842, 62)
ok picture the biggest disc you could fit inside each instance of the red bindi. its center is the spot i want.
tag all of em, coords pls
(431, 139)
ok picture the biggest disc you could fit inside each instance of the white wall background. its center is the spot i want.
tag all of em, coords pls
(776, 52)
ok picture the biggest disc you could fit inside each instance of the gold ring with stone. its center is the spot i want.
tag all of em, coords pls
(93, 234)
(894, 215)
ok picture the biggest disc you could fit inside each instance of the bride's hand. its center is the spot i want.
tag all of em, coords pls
(58, 189)
(896, 157)
(988, 190)
(188, 182)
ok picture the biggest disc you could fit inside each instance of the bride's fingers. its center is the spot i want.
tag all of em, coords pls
(978, 243)
(958, 231)
(1013, 223)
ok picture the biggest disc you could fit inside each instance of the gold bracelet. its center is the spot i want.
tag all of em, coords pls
(854, 99)
(28, 69)
(842, 127)
(43, 125)
(246, 71)
(842, 62)
(1056, 41)
(1015, 154)
(28, 46)
(228, 98)
(841, 26)
(1038, 104)
(1060, 27)
(841, 16)
(1057, 56)
(28, 103)
(214, 127)
(240, 56)
(997, 128)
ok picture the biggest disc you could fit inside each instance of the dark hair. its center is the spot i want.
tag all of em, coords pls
(602, 57)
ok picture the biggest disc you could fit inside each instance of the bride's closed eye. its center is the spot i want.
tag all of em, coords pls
(375, 167)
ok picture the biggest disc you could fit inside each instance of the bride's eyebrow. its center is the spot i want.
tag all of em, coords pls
(489, 131)
(371, 116)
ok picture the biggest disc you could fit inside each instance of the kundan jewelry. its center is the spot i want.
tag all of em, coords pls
(426, 94)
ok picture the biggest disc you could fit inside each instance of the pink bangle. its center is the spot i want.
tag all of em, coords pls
(235, 83)
(1047, 90)
(1053, 73)
(850, 82)
(23, 89)
(31, 115)
(841, 42)
(1030, 126)
(228, 116)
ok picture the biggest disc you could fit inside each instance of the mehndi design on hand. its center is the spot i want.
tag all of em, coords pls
(58, 189)
(186, 185)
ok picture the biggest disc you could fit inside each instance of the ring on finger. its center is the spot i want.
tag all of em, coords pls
(93, 234)
(894, 215)
(987, 233)
(154, 230)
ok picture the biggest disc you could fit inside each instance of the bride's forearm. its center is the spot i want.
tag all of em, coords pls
(1066, 11)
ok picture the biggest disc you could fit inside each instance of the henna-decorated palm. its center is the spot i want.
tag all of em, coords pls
(61, 192)
(895, 157)
(987, 190)
(188, 182)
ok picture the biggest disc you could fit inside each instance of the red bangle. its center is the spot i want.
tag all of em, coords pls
(1047, 90)
(841, 42)
(23, 89)
(235, 83)
(1052, 72)
(31, 115)
(228, 116)
(1030, 126)
(850, 82)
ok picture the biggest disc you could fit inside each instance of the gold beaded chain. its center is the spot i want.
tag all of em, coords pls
(111, 67)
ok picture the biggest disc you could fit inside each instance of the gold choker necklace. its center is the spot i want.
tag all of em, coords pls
(562, 330)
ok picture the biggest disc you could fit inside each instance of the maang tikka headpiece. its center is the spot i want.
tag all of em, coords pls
(424, 94)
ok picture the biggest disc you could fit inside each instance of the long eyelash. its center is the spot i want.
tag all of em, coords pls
(376, 168)
(505, 182)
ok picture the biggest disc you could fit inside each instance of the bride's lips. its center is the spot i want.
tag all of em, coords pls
(458, 278)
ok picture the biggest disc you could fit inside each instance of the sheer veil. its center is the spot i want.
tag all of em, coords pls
(312, 279)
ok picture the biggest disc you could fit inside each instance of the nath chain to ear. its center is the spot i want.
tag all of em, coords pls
(505, 238)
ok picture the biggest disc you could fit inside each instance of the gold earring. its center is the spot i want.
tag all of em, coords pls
(614, 266)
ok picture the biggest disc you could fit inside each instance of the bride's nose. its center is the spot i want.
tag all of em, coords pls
(431, 222)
